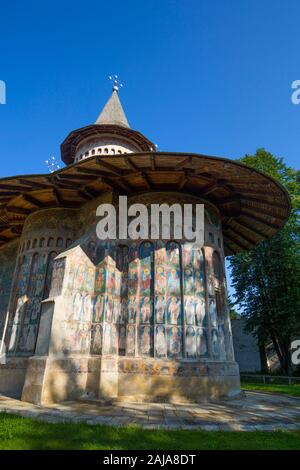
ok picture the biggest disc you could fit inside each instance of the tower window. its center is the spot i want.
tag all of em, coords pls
(59, 242)
(50, 242)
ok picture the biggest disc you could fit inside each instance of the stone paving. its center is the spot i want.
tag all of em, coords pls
(249, 412)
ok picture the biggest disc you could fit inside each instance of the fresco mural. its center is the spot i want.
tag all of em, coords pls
(174, 341)
(78, 326)
(194, 302)
(145, 291)
(31, 310)
(49, 273)
(7, 266)
(18, 303)
(57, 276)
(215, 344)
(147, 299)
(167, 286)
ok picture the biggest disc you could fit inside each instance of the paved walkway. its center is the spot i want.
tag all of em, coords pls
(252, 411)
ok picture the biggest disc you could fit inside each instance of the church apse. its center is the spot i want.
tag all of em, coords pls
(139, 319)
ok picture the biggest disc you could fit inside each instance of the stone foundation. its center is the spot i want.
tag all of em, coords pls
(12, 376)
(171, 381)
(55, 380)
(139, 320)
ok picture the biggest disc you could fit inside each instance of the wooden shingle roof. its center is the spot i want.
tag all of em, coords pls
(252, 205)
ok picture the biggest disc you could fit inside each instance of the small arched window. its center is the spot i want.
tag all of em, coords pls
(59, 242)
(42, 242)
(68, 242)
(50, 242)
(35, 242)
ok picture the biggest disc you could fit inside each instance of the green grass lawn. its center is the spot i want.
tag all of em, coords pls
(24, 433)
(293, 390)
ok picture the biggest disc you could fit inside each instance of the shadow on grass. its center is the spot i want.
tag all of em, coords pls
(24, 433)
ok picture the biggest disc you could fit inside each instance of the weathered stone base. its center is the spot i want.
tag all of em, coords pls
(50, 380)
(12, 376)
(177, 381)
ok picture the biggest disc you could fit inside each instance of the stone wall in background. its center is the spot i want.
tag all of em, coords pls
(245, 347)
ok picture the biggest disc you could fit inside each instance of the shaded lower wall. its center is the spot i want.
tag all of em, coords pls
(158, 380)
(12, 376)
(53, 380)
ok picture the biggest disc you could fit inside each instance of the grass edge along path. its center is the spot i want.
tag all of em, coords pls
(18, 433)
(291, 390)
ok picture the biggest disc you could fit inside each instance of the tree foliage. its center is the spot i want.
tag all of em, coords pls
(267, 279)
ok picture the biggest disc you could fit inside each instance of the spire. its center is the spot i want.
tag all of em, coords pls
(112, 112)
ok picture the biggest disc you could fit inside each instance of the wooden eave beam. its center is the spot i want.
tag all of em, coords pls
(183, 162)
(90, 171)
(237, 243)
(239, 234)
(260, 220)
(18, 210)
(13, 187)
(32, 200)
(255, 230)
(109, 166)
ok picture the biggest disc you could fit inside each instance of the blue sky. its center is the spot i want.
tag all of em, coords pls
(203, 76)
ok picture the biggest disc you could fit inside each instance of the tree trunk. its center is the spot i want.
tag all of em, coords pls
(263, 357)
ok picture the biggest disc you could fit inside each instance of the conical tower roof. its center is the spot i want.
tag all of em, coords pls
(113, 113)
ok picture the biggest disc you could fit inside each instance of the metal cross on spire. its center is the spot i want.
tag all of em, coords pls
(52, 164)
(116, 82)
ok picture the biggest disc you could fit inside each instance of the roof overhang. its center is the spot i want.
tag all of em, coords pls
(72, 141)
(252, 205)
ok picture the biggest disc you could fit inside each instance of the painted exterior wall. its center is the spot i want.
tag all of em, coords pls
(103, 319)
(7, 267)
